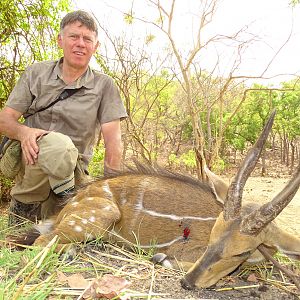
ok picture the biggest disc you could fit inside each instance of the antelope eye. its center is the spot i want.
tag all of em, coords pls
(246, 253)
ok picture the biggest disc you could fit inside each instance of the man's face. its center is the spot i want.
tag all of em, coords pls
(78, 44)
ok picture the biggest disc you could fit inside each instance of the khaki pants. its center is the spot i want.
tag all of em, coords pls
(34, 183)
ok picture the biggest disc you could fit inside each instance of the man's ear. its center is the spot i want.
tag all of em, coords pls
(59, 40)
(218, 185)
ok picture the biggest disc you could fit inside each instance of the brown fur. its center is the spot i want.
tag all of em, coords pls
(134, 204)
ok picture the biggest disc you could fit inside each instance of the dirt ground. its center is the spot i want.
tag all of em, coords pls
(263, 189)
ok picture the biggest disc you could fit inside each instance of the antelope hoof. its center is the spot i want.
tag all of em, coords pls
(185, 284)
(162, 259)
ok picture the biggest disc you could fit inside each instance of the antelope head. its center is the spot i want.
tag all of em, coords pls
(239, 231)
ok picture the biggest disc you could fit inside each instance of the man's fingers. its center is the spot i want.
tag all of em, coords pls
(34, 149)
(27, 157)
(30, 154)
(30, 146)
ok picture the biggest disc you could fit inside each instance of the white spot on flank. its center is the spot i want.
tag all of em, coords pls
(90, 198)
(75, 203)
(93, 211)
(107, 207)
(71, 222)
(92, 219)
(84, 221)
(141, 192)
(78, 228)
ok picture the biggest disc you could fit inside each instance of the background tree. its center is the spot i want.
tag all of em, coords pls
(288, 126)
(205, 94)
(199, 105)
(147, 90)
(28, 34)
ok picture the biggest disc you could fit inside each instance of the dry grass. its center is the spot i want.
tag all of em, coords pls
(36, 276)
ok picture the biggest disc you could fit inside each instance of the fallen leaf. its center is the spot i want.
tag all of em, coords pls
(230, 279)
(77, 281)
(108, 287)
(61, 277)
(74, 281)
(252, 278)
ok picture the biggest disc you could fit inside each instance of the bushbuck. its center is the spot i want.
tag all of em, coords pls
(181, 217)
(240, 230)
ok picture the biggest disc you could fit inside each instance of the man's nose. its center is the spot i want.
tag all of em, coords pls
(80, 41)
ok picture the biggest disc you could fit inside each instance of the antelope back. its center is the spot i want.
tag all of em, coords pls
(171, 212)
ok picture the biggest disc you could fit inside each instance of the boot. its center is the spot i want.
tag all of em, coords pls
(20, 212)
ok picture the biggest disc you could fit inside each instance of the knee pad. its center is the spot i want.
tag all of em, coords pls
(57, 158)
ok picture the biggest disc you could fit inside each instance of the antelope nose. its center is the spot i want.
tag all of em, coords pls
(185, 284)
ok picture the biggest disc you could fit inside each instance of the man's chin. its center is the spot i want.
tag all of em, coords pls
(80, 65)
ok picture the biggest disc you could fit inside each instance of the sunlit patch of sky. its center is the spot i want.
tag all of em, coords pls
(271, 21)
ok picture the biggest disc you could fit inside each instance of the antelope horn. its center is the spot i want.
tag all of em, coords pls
(255, 222)
(233, 201)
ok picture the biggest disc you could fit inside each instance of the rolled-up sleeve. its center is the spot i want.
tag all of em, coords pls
(21, 97)
(111, 105)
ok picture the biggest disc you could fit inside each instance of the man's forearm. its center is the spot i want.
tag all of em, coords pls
(10, 127)
(113, 157)
(13, 131)
(111, 133)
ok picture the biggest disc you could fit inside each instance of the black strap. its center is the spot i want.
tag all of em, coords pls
(63, 95)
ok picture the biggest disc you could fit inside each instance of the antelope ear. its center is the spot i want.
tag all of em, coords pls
(218, 185)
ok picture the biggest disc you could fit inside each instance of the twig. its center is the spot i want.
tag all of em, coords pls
(146, 263)
(263, 250)
(83, 292)
(94, 260)
(281, 285)
(151, 284)
(29, 289)
(237, 288)
(12, 243)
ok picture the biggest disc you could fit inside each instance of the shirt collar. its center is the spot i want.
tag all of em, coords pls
(86, 80)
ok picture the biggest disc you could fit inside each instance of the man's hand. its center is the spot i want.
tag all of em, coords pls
(30, 148)
(28, 137)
